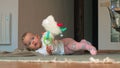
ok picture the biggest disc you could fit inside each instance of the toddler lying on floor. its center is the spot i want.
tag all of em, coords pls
(47, 45)
(64, 46)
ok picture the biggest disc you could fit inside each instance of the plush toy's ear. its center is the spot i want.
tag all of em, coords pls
(50, 18)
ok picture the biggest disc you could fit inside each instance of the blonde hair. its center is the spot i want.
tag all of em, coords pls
(23, 37)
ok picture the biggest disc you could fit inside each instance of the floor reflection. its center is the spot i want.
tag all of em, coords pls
(56, 65)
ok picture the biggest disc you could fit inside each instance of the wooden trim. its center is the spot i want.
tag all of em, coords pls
(108, 51)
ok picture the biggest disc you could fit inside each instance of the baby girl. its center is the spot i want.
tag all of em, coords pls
(47, 47)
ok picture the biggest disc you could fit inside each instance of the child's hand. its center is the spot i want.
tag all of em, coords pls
(48, 48)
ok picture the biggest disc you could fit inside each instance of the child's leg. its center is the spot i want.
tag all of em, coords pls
(89, 47)
(71, 46)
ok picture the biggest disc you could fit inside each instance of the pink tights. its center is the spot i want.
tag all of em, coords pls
(71, 46)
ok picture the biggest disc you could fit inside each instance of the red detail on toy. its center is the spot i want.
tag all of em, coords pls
(59, 24)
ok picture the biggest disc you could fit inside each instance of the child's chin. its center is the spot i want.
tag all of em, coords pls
(38, 47)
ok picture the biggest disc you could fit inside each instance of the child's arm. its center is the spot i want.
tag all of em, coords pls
(47, 41)
(48, 48)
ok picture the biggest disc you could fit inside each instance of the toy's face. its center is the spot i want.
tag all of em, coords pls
(32, 41)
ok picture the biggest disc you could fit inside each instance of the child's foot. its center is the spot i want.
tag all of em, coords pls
(90, 47)
(92, 50)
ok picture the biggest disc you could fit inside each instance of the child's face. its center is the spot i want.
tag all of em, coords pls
(32, 41)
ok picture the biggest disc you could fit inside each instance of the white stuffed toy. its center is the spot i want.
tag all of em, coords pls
(52, 29)
(51, 25)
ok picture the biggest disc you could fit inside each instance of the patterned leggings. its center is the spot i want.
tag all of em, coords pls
(70, 46)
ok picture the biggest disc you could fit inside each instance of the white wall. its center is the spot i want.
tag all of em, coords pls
(11, 6)
(104, 28)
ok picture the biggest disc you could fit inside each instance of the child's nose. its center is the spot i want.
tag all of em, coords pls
(33, 42)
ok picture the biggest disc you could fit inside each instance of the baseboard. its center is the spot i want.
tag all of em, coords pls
(108, 51)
